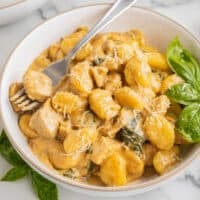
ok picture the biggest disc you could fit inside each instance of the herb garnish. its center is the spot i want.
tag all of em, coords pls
(184, 64)
(44, 189)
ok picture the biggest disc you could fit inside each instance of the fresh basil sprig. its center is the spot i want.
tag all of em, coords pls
(184, 94)
(184, 64)
(44, 189)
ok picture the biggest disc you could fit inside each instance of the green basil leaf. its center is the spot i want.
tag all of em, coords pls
(184, 94)
(183, 63)
(188, 123)
(16, 173)
(8, 152)
(44, 189)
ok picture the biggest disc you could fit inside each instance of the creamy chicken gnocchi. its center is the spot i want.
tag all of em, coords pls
(108, 122)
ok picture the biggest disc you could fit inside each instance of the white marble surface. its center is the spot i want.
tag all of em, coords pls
(187, 185)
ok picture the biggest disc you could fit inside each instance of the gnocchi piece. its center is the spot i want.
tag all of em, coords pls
(103, 148)
(70, 41)
(135, 164)
(84, 52)
(99, 75)
(45, 121)
(138, 36)
(113, 170)
(159, 131)
(80, 80)
(137, 71)
(113, 82)
(60, 160)
(37, 85)
(165, 159)
(157, 60)
(102, 104)
(169, 81)
(160, 104)
(67, 102)
(155, 83)
(77, 141)
(129, 98)
(24, 126)
(149, 152)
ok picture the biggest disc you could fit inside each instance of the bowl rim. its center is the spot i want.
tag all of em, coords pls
(9, 5)
(150, 184)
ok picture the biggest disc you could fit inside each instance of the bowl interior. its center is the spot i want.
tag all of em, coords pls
(158, 31)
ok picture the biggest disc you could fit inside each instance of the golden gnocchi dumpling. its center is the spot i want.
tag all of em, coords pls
(159, 131)
(113, 170)
(67, 102)
(37, 85)
(160, 104)
(77, 141)
(165, 159)
(40, 63)
(103, 148)
(61, 160)
(137, 71)
(102, 104)
(157, 60)
(135, 164)
(84, 52)
(138, 36)
(80, 80)
(24, 126)
(149, 152)
(170, 81)
(113, 82)
(127, 97)
(70, 41)
(99, 75)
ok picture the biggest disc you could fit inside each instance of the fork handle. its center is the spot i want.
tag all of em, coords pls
(118, 8)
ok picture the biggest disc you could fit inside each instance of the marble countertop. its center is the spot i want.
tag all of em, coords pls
(185, 186)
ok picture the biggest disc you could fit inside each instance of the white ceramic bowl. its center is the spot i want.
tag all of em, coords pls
(12, 10)
(159, 31)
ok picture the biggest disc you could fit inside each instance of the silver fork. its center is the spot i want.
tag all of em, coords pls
(58, 69)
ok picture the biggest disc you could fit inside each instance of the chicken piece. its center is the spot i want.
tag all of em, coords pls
(80, 80)
(160, 104)
(103, 148)
(78, 141)
(99, 75)
(113, 82)
(38, 86)
(45, 121)
(102, 104)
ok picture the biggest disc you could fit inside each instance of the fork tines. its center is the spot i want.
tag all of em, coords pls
(23, 102)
